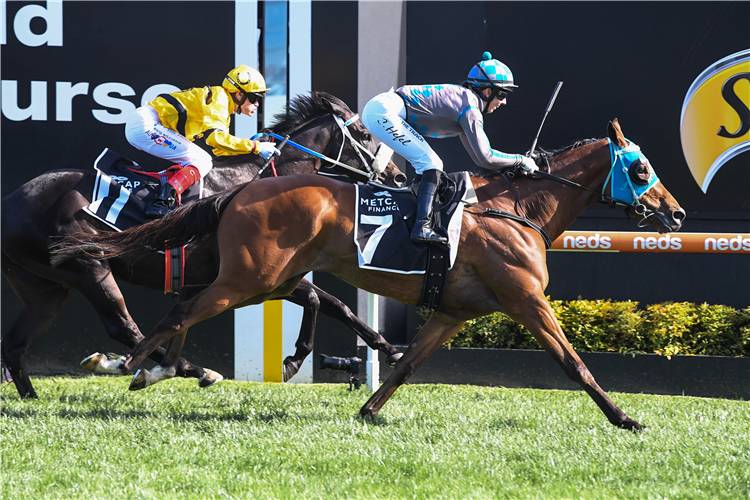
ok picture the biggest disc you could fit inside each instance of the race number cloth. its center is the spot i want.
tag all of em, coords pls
(384, 218)
(122, 191)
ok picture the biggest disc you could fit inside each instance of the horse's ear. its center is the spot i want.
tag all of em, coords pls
(336, 107)
(615, 133)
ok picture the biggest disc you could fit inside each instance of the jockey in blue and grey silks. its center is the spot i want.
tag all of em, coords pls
(402, 118)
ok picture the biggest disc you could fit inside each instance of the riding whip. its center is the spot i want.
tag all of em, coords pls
(549, 107)
(270, 158)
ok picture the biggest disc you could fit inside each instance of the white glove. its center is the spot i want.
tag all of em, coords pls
(529, 165)
(267, 149)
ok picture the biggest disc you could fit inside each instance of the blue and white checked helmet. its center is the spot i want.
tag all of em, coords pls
(491, 73)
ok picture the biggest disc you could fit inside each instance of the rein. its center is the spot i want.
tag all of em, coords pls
(343, 126)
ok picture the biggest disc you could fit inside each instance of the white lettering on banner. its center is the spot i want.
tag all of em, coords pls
(666, 242)
(37, 109)
(592, 242)
(52, 15)
(734, 244)
(65, 93)
(103, 95)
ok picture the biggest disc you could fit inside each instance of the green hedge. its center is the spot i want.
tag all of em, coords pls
(605, 326)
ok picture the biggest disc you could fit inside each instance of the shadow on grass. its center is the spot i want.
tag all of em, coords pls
(250, 416)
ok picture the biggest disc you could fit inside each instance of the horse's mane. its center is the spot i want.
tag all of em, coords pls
(542, 156)
(302, 109)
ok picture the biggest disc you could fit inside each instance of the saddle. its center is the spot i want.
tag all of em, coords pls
(384, 218)
(121, 193)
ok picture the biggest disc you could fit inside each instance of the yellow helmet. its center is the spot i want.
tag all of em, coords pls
(244, 79)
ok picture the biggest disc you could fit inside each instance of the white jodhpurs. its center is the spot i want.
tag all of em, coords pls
(385, 117)
(145, 132)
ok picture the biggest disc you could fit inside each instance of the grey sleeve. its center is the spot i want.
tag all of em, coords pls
(478, 145)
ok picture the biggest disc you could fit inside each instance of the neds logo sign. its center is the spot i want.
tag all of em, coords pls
(595, 242)
(108, 95)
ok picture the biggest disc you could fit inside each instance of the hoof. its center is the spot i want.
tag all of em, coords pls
(209, 378)
(140, 380)
(287, 372)
(631, 425)
(103, 363)
(289, 368)
(393, 359)
(366, 413)
(5, 375)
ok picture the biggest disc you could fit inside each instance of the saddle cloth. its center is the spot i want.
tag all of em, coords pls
(123, 189)
(385, 216)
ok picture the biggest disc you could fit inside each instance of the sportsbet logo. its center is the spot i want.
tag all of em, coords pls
(715, 120)
(650, 242)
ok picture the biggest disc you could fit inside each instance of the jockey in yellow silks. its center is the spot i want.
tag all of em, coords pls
(169, 126)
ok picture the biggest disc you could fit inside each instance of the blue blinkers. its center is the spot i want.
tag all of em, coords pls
(631, 174)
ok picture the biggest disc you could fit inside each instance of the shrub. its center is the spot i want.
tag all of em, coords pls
(604, 326)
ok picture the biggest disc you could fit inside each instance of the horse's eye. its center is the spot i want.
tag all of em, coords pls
(366, 137)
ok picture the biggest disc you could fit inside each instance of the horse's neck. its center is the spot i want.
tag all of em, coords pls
(552, 205)
(560, 205)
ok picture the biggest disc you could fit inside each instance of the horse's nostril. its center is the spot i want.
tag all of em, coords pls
(400, 178)
(679, 215)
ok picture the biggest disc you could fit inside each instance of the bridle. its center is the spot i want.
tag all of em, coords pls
(619, 178)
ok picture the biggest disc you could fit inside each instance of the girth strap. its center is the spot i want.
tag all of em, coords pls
(434, 278)
(174, 267)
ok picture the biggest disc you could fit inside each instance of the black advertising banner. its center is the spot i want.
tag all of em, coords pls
(675, 74)
(72, 72)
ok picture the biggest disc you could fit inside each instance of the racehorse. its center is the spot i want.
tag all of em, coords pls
(49, 206)
(266, 247)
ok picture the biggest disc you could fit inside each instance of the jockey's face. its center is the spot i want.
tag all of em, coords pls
(495, 103)
(248, 108)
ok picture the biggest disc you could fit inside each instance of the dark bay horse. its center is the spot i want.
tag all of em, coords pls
(49, 206)
(500, 265)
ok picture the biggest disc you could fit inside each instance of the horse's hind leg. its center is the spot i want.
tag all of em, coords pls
(435, 331)
(215, 299)
(42, 301)
(536, 314)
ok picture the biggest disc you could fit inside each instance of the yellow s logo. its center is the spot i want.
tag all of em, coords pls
(715, 120)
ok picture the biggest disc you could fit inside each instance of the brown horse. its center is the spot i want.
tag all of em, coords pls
(49, 207)
(273, 232)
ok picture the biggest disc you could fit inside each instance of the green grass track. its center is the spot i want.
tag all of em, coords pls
(90, 438)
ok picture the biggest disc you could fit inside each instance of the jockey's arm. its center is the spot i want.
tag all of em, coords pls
(478, 146)
(225, 144)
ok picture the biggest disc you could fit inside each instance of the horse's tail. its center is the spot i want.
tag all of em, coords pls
(192, 222)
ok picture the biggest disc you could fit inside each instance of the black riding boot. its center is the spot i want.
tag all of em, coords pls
(160, 204)
(422, 231)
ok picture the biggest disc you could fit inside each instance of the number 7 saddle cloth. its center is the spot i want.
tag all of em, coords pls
(385, 216)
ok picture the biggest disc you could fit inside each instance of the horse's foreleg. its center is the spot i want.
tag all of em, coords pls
(305, 297)
(433, 334)
(539, 318)
(334, 308)
(42, 301)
